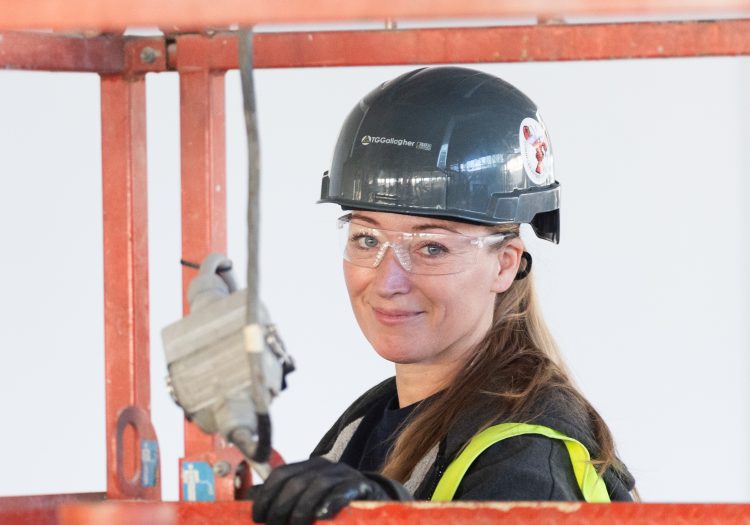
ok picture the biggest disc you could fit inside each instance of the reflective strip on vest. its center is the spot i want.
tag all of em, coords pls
(592, 486)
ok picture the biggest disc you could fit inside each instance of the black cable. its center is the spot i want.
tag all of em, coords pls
(191, 264)
(263, 448)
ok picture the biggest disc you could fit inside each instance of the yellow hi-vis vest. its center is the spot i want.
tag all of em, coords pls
(592, 486)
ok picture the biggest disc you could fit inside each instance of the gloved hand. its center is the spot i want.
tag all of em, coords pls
(300, 493)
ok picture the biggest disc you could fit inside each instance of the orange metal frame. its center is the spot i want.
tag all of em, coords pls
(219, 52)
(201, 61)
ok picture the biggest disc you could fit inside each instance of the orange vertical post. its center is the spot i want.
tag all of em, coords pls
(126, 305)
(203, 157)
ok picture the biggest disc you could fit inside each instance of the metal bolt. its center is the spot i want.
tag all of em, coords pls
(222, 468)
(148, 55)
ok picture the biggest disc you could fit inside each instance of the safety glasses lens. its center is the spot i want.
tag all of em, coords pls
(417, 252)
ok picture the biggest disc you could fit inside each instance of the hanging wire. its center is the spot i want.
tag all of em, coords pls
(254, 335)
(253, 186)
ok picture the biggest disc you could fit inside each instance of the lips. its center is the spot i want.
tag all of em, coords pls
(392, 317)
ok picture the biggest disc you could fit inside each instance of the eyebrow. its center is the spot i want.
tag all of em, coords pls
(419, 227)
(431, 226)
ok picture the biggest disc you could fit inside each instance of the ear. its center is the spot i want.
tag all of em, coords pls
(509, 259)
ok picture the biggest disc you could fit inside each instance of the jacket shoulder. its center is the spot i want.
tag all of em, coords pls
(557, 409)
(553, 408)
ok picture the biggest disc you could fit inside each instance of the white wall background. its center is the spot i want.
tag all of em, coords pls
(647, 294)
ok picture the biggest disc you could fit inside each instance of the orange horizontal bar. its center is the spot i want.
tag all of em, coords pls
(471, 45)
(40, 510)
(557, 42)
(103, 54)
(118, 14)
(231, 513)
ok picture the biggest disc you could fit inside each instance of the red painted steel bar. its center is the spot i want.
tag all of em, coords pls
(221, 13)
(40, 510)
(556, 42)
(238, 513)
(203, 154)
(472, 45)
(53, 52)
(107, 54)
(126, 306)
(411, 46)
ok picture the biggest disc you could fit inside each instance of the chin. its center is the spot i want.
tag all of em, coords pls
(401, 353)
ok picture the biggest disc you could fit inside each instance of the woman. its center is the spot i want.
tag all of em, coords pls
(437, 169)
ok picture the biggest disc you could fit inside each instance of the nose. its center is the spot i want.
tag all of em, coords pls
(391, 278)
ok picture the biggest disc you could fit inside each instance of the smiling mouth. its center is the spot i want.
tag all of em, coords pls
(394, 317)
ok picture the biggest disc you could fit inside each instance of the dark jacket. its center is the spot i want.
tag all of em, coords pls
(521, 468)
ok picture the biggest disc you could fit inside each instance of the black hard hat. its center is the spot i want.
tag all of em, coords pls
(447, 142)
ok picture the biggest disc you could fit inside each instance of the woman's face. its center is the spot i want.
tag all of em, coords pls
(412, 318)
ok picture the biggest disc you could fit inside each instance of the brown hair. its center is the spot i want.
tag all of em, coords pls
(517, 361)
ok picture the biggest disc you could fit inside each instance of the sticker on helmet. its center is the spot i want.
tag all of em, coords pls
(535, 151)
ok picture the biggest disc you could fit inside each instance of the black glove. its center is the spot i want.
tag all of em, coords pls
(300, 493)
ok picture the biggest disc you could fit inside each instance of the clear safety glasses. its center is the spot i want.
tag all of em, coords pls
(418, 252)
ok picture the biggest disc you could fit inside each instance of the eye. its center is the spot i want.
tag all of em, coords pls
(364, 241)
(433, 249)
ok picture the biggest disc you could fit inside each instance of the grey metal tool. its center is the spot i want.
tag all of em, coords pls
(210, 375)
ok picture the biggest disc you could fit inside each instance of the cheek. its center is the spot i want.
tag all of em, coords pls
(466, 297)
(356, 279)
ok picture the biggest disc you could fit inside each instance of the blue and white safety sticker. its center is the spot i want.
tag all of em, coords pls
(198, 481)
(149, 462)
